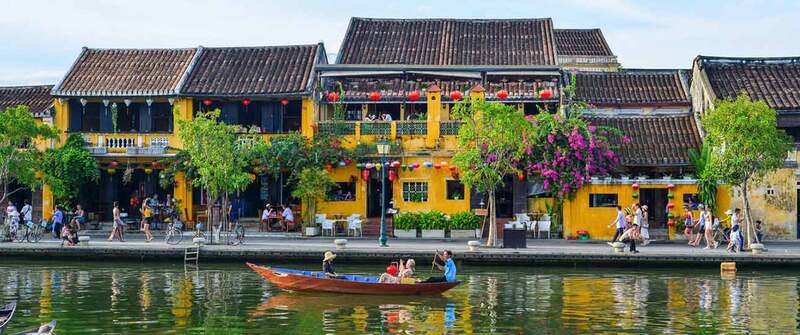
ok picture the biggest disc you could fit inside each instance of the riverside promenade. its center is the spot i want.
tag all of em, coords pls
(292, 248)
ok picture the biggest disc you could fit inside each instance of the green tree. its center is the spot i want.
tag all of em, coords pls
(706, 181)
(745, 145)
(19, 159)
(68, 168)
(312, 185)
(217, 156)
(489, 148)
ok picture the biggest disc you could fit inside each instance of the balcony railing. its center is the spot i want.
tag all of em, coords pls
(338, 127)
(376, 128)
(449, 127)
(412, 128)
(130, 144)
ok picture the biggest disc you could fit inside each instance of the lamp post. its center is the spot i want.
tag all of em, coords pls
(383, 150)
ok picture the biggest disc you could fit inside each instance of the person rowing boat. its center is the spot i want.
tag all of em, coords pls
(327, 265)
(449, 268)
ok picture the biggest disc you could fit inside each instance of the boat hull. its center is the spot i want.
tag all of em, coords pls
(6, 314)
(295, 282)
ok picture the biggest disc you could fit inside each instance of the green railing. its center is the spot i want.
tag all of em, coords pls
(337, 127)
(412, 127)
(376, 128)
(449, 127)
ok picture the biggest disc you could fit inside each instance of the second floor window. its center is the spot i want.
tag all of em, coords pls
(415, 192)
(136, 117)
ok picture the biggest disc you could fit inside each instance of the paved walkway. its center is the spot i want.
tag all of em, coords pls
(289, 247)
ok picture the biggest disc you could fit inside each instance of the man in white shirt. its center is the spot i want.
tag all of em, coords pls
(265, 217)
(27, 213)
(620, 222)
(288, 217)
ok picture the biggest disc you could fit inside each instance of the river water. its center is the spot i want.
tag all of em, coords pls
(163, 298)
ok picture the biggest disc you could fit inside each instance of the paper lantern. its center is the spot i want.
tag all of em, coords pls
(365, 174)
(403, 166)
(148, 171)
(392, 175)
(437, 166)
(670, 205)
(635, 195)
(416, 164)
(333, 97)
(546, 94)
(246, 102)
(378, 167)
(521, 177)
(207, 102)
(284, 101)
(452, 168)
(155, 164)
(113, 164)
(671, 223)
(395, 164)
(342, 164)
(111, 171)
(328, 167)
(411, 167)
(428, 164)
(413, 96)
(670, 195)
(443, 163)
(347, 162)
(635, 186)
(252, 177)
(502, 94)
(368, 165)
(374, 96)
(670, 186)
(456, 95)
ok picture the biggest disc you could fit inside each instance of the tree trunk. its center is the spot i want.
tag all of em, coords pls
(491, 240)
(747, 219)
(209, 217)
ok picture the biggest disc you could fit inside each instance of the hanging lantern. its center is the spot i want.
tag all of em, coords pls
(328, 167)
(411, 168)
(148, 170)
(392, 175)
(452, 168)
(368, 165)
(365, 174)
(635, 195)
(428, 164)
(284, 101)
(246, 102)
(252, 177)
(670, 195)
(502, 94)
(670, 186)
(360, 165)
(395, 164)
(333, 97)
(521, 177)
(155, 164)
(413, 96)
(670, 205)
(111, 171)
(149, 101)
(443, 163)
(207, 102)
(347, 162)
(171, 101)
(127, 102)
(113, 164)
(374, 96)
(546, 94)
(671, 223)
(403, 166)
(416, 164)
(106, 102)
(456, 95)
(378, 167)
(342, 164)
(437, 166)
(635, 186)
(83, 102)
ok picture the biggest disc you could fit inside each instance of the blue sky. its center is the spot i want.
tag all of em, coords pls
(39, 40)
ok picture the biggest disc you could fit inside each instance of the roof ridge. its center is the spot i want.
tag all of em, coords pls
(28, 86)
(449, 19)
(746, 60)
(263, 46)
(577, 29)
(138, 49)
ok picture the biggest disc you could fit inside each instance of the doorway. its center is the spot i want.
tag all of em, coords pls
(656, 201)
(504, 198)
(374, 194)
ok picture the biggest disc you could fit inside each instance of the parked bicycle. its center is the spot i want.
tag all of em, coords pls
(174, 234)
(31, 231)
(236, 235)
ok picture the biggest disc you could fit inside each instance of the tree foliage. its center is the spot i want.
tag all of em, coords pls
(313, 184)
(745, 144)
(68, 168)
(489, 148)
(706, 181)
(19, 159)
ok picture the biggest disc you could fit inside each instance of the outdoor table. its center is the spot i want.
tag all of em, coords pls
(340, 223)
(514, 238)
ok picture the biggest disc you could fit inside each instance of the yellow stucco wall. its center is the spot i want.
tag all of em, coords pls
(773, 200)
(579, 216)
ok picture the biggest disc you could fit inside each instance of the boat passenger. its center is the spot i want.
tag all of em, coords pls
(327, 265)
(406, 271)
(449, 268)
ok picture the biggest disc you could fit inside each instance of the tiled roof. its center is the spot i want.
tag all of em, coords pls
(776, 81)
(581, 42)
(656, 140)
(126, 72)
(449, 42)
(632, 87)
(37, 98)
(254, 70)
(397, 89)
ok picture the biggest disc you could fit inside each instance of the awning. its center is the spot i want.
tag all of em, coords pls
(522, 73)
(360, 73)
(454, 74)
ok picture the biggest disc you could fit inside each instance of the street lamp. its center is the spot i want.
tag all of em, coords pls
(383, 150)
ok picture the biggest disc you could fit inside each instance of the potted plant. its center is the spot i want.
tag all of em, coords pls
(464, 225)
(312, 186)
(457, 195)
(406, 224)
(433, 224)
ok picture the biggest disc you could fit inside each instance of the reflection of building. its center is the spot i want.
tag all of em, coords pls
(774, 81)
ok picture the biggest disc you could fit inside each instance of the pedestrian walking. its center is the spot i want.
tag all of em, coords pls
(645, 227)
(58, 221)
(147, 216)
(630, 236)
(118, 226)
(733, 240)
(700, 226)
(688, 222)
(708, 231)
(619, 221)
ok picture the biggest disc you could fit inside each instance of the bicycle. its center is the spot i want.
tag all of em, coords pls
(174, 235)
(32, 232)
(238, 234)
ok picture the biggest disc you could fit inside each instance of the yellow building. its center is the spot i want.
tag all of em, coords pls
(652, 108)
(773, 200)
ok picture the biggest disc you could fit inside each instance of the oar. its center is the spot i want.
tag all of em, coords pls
(436, 254)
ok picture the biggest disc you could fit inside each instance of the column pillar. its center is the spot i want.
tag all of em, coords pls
(434, 114)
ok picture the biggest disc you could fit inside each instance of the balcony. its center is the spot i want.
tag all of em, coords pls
(412, 128)
(449, 127)
(382, 128)
(127, 144)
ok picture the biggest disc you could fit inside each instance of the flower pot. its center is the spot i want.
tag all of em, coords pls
(433, 233)
(757, 248)
(405, 233)
(462, 233)
(312, 231)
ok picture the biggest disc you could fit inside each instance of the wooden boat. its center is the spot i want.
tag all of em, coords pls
(45, 329)
(308, 281)
(6, 313)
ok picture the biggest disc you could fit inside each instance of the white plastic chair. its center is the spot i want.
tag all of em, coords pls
(354, 224)
(325, 224)
(544, 227)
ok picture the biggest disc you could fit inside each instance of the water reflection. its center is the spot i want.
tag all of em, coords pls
(120, 298)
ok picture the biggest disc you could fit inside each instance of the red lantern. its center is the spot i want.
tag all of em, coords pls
(671, 223)
(452, 168)
(670, 205)
(365, 174)
(113, 164)
(252, 177)
(155, 164)
(395, 164)
(392, 270)
(413, 96)
(670, 186)
(502, 94)
(437, 166)
(375, 96)
(546, 94)
(347, 162)
(521, 177)
(246, 102)
(284, 101)
(333, 97)
(329, 167)
(207, 102)
(635, 186)
(456, 95)
(392, 175)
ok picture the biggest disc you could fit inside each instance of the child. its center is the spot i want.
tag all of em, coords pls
(733, 244)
